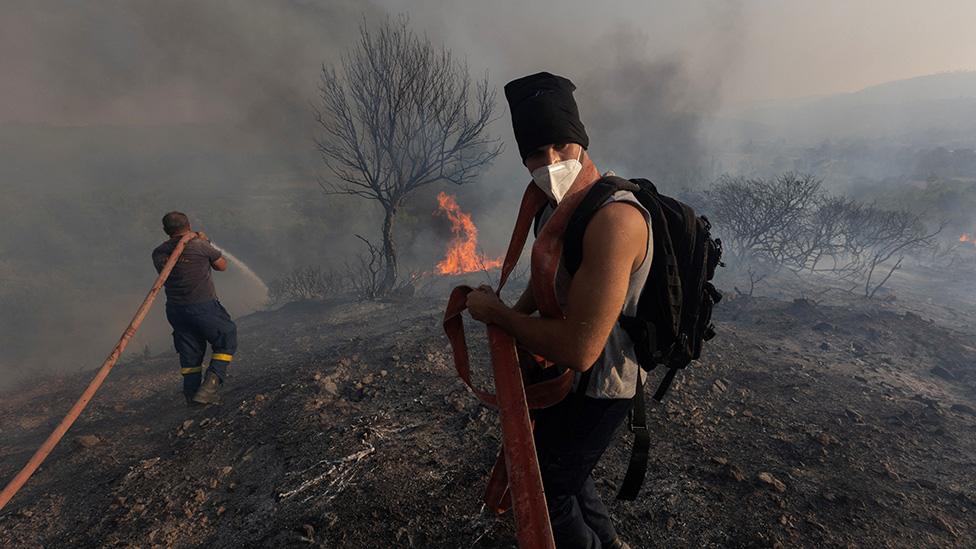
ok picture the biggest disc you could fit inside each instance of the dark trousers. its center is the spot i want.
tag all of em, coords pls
(570, 438)
(194, 326)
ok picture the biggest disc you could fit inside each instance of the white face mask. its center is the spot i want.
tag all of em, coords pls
(556, 179)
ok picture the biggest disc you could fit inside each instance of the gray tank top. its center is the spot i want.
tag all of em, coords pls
(614, 374)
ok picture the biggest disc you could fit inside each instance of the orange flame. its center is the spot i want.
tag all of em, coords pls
(462, 252)
(966, 237)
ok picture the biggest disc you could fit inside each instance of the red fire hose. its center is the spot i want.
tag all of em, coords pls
(519, 483)
(69, 419)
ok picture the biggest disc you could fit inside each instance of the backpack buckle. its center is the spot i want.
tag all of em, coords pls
(677, 353)
(634, 426)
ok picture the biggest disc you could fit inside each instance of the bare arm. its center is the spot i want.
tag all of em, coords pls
(526, 302)
(613, 247)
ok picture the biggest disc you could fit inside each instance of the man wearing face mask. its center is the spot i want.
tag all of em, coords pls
(571, 436)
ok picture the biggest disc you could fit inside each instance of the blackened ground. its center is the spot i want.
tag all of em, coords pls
(344, 425)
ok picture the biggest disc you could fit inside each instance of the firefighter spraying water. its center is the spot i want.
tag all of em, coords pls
(184, 263)
(194, 312)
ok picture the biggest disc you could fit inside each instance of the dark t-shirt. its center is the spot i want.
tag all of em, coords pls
(190, 282)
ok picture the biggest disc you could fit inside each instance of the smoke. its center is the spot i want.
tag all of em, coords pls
(648, 87)
(649, 116)
(117, 111)
(150, 63)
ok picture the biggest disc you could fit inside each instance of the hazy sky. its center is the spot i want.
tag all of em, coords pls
(139, 61)
(764, 50)
(792, 49)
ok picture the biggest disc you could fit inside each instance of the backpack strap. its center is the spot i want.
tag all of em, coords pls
(663, 250)
(537, 220)
(637, 468)
(665, 384)
(601, 191)
(637, 330)
(584, 382)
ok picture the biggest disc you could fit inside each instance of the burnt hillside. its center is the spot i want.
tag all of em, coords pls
(344, 425)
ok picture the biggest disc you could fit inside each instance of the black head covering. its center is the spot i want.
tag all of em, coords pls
(544, 112)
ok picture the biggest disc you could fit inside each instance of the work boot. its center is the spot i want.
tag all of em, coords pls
(190, 403)
(209, 391)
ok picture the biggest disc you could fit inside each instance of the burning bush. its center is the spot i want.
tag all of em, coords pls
(462, 253)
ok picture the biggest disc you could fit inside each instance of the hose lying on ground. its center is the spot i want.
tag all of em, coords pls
(113, 357)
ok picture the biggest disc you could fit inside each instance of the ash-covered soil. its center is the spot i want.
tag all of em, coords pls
(344, 425)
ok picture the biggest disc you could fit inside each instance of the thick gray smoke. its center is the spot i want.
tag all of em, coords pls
(116, 112)
(248, 63)
(647, 99)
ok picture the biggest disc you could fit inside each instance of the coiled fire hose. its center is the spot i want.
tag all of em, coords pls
(62, 428)
(515, 480)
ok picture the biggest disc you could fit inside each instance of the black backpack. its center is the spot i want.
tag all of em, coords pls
(674, 310)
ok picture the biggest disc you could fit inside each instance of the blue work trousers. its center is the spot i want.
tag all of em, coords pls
(194, 326)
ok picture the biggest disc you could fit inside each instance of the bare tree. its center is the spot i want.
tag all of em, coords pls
(756, 275)
(762, 217)
(397, 114)
(945, 255)
(820, 243)
(791, 222)
(881, 239)
(366, 274)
